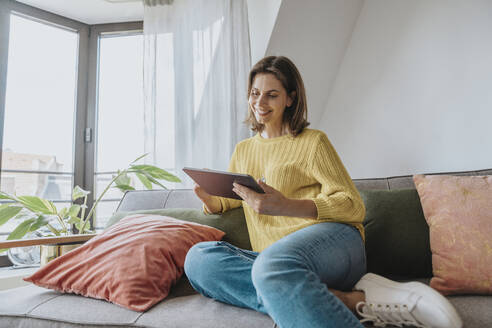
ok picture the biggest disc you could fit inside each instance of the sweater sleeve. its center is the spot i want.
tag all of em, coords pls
(229, 203)
(338, 198)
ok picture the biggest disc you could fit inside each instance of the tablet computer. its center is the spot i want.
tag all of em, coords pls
(219, 183)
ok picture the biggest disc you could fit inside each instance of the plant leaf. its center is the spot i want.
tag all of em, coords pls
(79, 193)
(53, 230)
(4, 195)
(8, 212)
(156, 172)
(74, 210)
(139, 158)
(78, 225)
(146, 182)
(124, 188)
(74, 220)
(154, 181)
(39, 222)
(123, 179)
(63, 212)
(37, 205)
(21, 229)
(25, 214)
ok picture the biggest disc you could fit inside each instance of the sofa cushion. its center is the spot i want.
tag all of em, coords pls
(36, 307)
(459, 213)
(231, 222)
(134, 263)
(397, 236)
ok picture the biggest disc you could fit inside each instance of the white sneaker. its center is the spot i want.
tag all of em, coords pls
(404, 304)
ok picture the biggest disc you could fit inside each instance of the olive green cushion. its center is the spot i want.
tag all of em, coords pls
(231, 222)
(397, 235)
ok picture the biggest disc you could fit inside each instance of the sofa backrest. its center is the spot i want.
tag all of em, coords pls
(186, 198)
(405, 181)
(136, 200)
(397, 234)
(396, 231)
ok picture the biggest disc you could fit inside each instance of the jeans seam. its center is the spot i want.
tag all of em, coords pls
(236, 251)
(342, 310)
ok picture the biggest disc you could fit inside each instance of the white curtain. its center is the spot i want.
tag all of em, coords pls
(196, 62)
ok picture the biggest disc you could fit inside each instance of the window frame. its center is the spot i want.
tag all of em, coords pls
(12, 7)
(96, 33)
(84, 150)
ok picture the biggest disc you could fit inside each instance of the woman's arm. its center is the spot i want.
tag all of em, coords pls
(338, 198)
(301, 208)
(211, 204)
(273, 202)
(215, 204)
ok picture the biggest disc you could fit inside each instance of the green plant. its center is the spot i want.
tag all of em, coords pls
(38, 214)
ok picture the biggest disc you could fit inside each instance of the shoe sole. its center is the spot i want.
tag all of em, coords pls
(421, 289)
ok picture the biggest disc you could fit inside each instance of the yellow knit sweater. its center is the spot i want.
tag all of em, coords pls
(302, 167)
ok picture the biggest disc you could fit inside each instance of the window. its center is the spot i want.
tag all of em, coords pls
(120, 121)
(39, 125)
(62, 79)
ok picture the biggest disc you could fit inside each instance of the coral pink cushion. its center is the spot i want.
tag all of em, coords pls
(133, 264)
(458, 210)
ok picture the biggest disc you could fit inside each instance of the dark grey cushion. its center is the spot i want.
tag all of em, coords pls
(397, 235)
(231, 222)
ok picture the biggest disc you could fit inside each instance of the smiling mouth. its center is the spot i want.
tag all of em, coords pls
(263, 113)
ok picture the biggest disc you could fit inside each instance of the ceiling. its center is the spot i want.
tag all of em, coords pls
(92, 11)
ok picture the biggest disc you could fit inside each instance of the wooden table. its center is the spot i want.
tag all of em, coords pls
(45, 240)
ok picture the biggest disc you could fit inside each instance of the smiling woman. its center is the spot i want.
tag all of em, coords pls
(277, 98)
(308, 261)
(268, 101)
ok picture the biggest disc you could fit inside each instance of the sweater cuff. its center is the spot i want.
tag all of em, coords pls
(322, 207)
(223, 203)
(205, 211)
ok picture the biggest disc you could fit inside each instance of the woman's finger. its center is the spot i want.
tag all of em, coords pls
(265, 187)
(240, 194)
(242, 191)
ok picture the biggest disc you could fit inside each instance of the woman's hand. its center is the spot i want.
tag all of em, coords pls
(212, 203)
(272, 202)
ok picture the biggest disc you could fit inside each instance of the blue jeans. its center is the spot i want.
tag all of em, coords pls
(288, 280)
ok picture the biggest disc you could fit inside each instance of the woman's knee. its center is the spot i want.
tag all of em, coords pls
(261, 271)
(197, 262)
(273, 269)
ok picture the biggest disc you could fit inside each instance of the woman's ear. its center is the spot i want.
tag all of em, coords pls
(290, 98)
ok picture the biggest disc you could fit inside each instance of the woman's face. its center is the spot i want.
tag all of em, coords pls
(268, 99)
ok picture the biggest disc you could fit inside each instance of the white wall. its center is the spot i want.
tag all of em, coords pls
(262, 15)
(414, 90)
(315, 35)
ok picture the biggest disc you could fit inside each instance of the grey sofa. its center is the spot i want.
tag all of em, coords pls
(32, 306)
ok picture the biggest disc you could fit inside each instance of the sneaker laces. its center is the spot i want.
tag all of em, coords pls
(385, 314)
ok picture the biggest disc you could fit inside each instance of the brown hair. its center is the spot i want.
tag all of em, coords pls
(287, 73)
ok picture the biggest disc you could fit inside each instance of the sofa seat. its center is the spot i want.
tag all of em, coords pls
(36, 307)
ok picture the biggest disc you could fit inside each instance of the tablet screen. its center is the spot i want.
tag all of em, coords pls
(219, 183)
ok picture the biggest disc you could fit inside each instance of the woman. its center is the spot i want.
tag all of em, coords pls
(306, 229)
